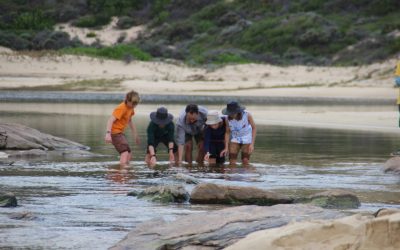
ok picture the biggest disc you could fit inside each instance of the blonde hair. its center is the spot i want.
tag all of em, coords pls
(132, 96)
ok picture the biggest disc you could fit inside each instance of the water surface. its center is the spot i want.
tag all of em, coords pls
(82, 203)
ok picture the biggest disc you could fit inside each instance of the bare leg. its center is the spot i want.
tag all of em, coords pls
(124, 158)
(188, 151)
(200, 152)
(233, 152)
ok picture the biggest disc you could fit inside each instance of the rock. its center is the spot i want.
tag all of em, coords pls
(165, 194)
(8, 200)
(385, 211)
(208, 193)
(217, 229)
(19, 137)
(186, 178)
(392, 165)
(337, 199)
(28, 153)
(23, 216)
(133, 193)
(3, 155)
(352, 232)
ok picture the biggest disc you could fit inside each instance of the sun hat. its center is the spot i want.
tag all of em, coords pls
(232, 108)
(161, 117)
(213, 117)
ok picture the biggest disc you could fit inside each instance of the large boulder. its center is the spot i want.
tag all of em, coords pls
(20, 137)
(392, 165)
(209, 193)
(353, 232)
(217, 229)
(336, 199)
(8, 200)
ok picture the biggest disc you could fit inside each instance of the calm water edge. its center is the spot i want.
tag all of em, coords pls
(80, 203)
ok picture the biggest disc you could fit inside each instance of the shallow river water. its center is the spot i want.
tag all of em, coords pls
(78, 203)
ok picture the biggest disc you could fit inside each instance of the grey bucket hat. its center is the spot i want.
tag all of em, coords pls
(161, 116)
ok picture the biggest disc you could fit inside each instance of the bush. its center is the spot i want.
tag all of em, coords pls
(34, 20)
(125, 22)
(118, 52)
(92, 21)
(13, 41)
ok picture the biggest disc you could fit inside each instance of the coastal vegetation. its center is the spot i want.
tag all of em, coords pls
(315, 32)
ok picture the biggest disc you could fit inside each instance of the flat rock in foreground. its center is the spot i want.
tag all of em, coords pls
(217, 229)
(352, 232)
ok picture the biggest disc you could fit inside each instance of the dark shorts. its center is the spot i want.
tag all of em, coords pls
(120, 143)
(163, 140)
(198, 138)
(215, 151)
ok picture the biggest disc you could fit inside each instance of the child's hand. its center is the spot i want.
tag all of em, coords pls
(223, 153)
(251, 148)
(107, 138)
(207, 156)
(137, 140)
(153, 161)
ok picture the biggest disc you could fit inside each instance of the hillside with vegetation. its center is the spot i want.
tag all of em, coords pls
(283, 32)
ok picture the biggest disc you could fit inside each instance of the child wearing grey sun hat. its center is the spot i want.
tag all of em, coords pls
(214, 138)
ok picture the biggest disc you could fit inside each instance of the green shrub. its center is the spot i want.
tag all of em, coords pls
(91, 35)
(34, 20)
(92, 21)
(118, 52)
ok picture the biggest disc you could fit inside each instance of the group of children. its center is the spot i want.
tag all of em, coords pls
(215, 135)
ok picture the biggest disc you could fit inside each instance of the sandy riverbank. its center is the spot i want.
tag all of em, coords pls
(28, 70)
(366, 83)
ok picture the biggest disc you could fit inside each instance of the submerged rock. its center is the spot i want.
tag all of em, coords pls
(186, 178)
(392, 165)
(23, 216)
(8, 200)
(217, 229)
(165, 194)
(209, 193)
(336, 199)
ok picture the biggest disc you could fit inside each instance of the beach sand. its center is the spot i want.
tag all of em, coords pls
(364, 82)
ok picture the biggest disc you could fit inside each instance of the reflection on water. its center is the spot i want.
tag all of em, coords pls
(83, 204)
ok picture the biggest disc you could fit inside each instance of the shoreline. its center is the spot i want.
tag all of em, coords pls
(102, 97)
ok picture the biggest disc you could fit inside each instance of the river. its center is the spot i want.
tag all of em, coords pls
(80, 203)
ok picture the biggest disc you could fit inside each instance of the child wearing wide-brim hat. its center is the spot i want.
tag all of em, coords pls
(214, 138)
(240, 132)
(160, 129)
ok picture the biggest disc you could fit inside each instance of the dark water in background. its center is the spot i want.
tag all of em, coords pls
(82, 203)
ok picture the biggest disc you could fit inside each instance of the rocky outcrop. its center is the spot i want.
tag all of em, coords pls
(164, 194)
(20, 137)
(353, 232)
(336, 199)
(208, 193)
(19, 141)
(216, 229)
(392, 165)
(8, 200)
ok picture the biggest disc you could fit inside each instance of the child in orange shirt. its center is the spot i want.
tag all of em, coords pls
(120, 118)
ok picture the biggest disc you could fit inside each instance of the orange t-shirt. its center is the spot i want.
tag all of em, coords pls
(123, 114)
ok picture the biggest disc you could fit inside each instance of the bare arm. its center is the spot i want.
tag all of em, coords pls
(253, 133)
(134, 131)
(226, 140)
(110, 122)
